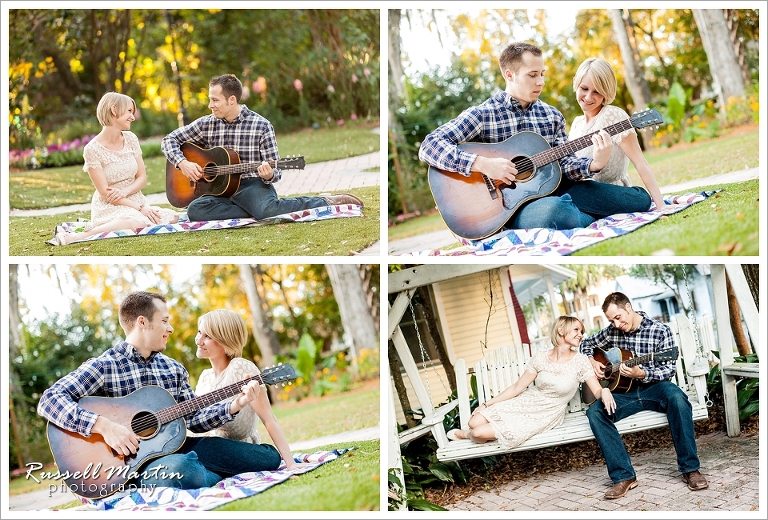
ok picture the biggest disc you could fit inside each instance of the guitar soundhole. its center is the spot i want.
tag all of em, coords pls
(209, 172)
(525, 168)
(145, 425)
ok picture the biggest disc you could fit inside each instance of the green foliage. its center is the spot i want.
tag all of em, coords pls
(747, 388)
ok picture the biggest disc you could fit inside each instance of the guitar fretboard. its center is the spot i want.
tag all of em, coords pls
(172, 413)
(235, 169)
(631, 362)
(557, 153)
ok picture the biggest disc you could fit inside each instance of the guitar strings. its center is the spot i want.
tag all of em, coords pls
(149, 421)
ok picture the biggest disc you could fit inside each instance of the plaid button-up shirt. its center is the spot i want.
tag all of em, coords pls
(250, 135)
(493, 121)
(651, 336)
(118, 372)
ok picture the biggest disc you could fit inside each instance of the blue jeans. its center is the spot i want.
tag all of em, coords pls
(204, 461)
(253, 199)
(663, 396)
(579, 204)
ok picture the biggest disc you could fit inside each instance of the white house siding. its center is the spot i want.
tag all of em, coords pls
(433, 379)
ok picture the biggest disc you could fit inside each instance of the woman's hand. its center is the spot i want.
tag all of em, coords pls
(602, 146)
(608, 401)
(298, 467)
(115, 194)
(477, 410)
(153, 214)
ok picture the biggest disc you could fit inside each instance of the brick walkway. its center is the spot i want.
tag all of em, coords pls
(731, 466)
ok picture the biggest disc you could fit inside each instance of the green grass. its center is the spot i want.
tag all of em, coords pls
(334, 237)
(320, 418)
(51, 187)
(725, 224)
(350, 483)
(729, 228)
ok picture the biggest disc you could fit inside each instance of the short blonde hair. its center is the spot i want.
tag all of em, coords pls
(602, 75)
(561, 326)
(227, 328)
(110, 100)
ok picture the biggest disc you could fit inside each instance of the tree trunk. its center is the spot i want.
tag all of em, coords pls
(742, 343)
(395, 94)
(636, 84)
(752, 274)
(732, 22)
(13, 349)
(262, 329)
(402, 392)
(437, 340)
(356, 315)
(723, 63)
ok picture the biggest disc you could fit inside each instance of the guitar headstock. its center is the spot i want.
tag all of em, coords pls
(646, 118)
(282, 373)
(666, 355)
(291, 163)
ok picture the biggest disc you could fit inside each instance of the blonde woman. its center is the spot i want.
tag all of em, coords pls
(113, 162)
(220, 339)
(595, 88)
(521, 411)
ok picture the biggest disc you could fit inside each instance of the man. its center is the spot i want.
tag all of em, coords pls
(137, 362)
(518, 108)
(635, 331)
(235, 126)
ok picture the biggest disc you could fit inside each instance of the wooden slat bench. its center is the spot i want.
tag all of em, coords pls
(503, 366)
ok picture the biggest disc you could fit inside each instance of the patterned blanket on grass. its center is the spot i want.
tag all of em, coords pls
(543, 242)
(185, 225)
(233, 488)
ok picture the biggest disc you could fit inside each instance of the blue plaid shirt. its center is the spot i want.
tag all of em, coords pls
(250, 135)
(493, 121)
(118, 372)
(650, 336)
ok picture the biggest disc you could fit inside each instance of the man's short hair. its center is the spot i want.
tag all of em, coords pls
(616, 298)
(512, 56)
(140, 303)
(230, 85)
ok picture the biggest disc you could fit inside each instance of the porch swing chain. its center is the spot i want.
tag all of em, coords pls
(700, 365)
(423, 352)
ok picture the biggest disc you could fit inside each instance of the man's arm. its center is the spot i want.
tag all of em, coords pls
(191, 133)
(58, 403)
(440, 148)
(663, 339)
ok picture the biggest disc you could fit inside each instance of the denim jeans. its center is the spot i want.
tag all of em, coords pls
(579, 204)
(253, 199)
(204, 461)
(663, 396)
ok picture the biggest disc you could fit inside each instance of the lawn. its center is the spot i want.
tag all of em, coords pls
(328, 487)
(730, 218)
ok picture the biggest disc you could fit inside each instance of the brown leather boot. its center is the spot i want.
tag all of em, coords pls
(621, 489)
(695, 481)
(342, 198)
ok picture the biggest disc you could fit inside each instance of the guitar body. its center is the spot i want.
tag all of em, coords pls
(94, 459)
(181, 191)
(475, 207)
(611, 358)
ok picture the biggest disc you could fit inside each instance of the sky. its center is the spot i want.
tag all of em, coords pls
(424, 51)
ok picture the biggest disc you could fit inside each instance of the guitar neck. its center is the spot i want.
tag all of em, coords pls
(172, 413)
(639, 360)
(558, 152)
(237, 169)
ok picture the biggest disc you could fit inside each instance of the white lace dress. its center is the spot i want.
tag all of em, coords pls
(615, 172)
(245, 426)
(120, 168)
(542, 406)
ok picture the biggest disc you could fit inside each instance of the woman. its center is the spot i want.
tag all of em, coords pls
(520, 412)
(595, 88)
(113, 161)
(220, 339)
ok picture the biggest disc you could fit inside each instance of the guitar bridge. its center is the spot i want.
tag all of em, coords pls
(491, 188)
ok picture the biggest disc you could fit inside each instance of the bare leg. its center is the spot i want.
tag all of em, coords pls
(67, 238)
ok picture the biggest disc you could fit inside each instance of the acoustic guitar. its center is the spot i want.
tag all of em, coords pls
(92, 469)
(221, 173)
(612, 359)
(475, 207)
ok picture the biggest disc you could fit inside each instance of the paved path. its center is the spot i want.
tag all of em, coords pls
(731, 466)
(45, 499)
(444, 238)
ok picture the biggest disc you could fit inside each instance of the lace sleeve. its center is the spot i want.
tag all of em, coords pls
(611, 115)
(585, 370)
(240, 368)
(132, 143)
(536, 363)
(91, 158)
